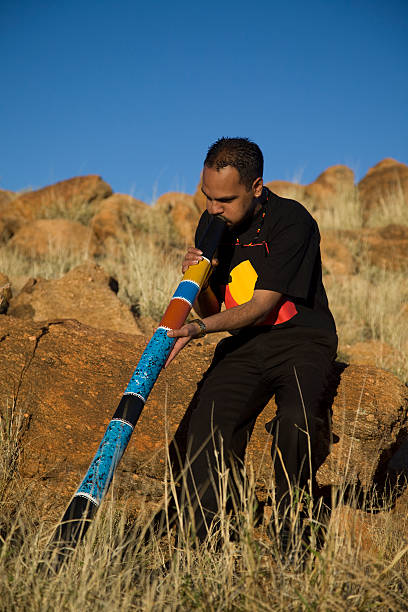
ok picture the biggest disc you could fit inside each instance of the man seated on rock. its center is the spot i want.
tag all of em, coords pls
(283, 343)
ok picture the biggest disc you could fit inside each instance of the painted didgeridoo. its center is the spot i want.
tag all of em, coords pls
(89, 495)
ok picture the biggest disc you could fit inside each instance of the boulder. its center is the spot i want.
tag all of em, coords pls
(44, 237)
(337, 258)
(372, 352)
(84, 294)
(387, 247)
(5, 292)
(117, 218)
(67, 379)
(384, 182)
(6, 197)
(53, 201)
(200, 201)
(328, 190)
(369, 422)
(286, 189)
(384, 247)
(331, 187)
(182, 212)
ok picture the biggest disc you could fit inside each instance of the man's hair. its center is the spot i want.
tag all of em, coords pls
(240, 153)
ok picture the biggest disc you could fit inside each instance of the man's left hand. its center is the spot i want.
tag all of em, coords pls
(183, 335)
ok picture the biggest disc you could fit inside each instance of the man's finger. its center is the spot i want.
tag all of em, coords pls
(178, 346)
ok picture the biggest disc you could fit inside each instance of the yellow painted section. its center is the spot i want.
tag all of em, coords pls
(197, 272)
(243, 282)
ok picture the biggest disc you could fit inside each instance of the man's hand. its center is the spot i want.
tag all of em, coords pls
(193, 256)
(183, 335)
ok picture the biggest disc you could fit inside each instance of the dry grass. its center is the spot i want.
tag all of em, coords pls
(363, 565)
(54, 265)
(77, 210)
(116, 568)
(345, 213)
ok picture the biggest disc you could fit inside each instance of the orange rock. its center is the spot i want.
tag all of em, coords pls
(68, 194)
(286, 189)
(331, 186)
(51, 236)
(385, 247)
(5, 292)
(200, 201)
(66, 373)
(84, 294)
(337, 258)
(386, 180)
(372, 352)
(6, 197)
(180, 208)
(116, 219)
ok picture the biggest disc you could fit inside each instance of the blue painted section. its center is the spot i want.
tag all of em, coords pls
(187, 290)
(150, 364)
(107, 457)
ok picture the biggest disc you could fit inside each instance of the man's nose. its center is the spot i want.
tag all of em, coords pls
(214, 207)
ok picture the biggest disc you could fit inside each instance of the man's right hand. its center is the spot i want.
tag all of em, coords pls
(193, 257)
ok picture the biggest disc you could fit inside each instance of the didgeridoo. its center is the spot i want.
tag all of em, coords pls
(90, 493)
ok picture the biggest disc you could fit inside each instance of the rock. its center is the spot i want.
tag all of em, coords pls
(74, 193)
(337, 258)
(6, 197)
(84, 294)
(372, 352)
(5, 293)
(182, 212)
(118, 218)
(387, 247)
(384, 182)
(44, 237)
(384, 247)
(369, 419)
(286, 189)
(68, 379)
(331, 187)
(200, 201)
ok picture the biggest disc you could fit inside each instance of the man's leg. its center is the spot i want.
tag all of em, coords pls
(230, 398)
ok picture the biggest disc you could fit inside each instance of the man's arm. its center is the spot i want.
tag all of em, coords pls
(244, 315)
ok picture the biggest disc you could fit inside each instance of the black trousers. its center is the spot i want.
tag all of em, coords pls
(292, 364)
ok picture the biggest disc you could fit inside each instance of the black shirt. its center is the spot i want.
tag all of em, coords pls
(278, 249)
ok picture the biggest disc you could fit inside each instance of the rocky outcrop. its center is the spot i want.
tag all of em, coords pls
(372, 352)
(369, 421)
(384, 247)
(6, 197)
(84, 294)
(81, 191)
(182, 212)
(119, 218)
(387, 247)
(68, 378)
(330, 187)
(337, 258)
(5, 292)
(45, 237)
(286, 189)
(384, 182)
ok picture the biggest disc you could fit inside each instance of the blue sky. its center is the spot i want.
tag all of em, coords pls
(136, 91)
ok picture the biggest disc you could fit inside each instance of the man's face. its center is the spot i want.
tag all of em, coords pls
(227, 197)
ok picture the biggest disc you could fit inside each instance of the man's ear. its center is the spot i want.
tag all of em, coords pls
(257, 187)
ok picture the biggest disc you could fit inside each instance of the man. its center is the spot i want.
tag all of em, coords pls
(283, 341)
